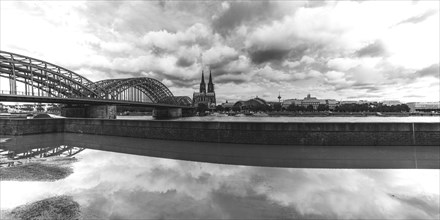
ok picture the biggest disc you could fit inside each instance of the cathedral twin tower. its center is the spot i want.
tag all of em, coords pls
(207, 98)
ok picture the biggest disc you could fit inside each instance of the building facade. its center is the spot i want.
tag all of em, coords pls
(255, 104)
(203, 96)
(309, 100)
(424, 106)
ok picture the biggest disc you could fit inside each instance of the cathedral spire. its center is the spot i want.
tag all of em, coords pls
(210, 84)
(203, 84)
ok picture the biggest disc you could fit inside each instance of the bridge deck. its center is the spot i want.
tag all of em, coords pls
(44, 99)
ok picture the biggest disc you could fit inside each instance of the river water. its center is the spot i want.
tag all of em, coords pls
(111, 185)
(297, 119)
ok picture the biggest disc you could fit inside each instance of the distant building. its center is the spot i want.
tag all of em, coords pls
(331, 103)
(252, 104)
(288, 102)
(207, 98)
(391, 102)
(347, 102)
(313, 101)
(227, 106)
(424, 106)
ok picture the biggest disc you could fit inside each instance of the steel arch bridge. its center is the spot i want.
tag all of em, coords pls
(28, 76)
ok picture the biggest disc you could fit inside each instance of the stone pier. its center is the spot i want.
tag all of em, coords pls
(89, 111)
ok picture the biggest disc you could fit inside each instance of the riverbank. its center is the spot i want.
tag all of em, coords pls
(351, 114)
(59, 207)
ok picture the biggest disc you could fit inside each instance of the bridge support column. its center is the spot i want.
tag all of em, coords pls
(101, 111)
(90, 111)
(73, 111)
(165, 113)
(188, 112)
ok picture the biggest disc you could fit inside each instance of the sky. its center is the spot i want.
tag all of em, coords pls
(111, 185)
(343, 50)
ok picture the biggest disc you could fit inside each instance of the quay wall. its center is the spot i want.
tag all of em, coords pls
(274, 133)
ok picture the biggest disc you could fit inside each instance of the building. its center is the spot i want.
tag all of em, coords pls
(391, 102)
(424, 106)
(227, 106)
(331, 103)
(203, 96)
(313, 101)
(255, 104)
(348, 102)
(309, 100)
(287, 102)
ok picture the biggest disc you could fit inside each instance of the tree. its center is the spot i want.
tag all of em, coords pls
(404, 108)
(291, 107)
(236, 108)
(219, 108)
(310, 108)
(277, 107)
(322, 107)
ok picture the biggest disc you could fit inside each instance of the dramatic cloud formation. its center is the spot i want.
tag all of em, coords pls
(120, 186)
(339, 49)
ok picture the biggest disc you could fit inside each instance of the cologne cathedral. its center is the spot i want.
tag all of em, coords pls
(208, 98)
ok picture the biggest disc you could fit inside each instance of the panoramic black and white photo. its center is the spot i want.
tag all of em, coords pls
(175, 109)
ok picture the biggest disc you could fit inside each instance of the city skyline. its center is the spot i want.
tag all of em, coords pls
(342, 50)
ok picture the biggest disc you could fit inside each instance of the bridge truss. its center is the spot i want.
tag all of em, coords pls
(33, 77)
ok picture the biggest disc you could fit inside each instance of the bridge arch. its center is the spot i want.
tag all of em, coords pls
(128, 89)
(183, 100)
(41, 78)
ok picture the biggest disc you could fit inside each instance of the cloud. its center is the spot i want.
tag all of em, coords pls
(236, 13)
(219, 55)
(419, 18)
(301, 41)
(375, 49)
(184, 62)
(432, 70)
(261, 56)
(342, 64)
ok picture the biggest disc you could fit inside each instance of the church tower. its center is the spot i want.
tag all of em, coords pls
(202, 84)
(210, 84)
(203, 97)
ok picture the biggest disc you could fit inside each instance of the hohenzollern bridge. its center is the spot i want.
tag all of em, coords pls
(34, 80)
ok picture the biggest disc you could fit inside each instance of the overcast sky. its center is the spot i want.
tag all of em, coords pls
(343, 49)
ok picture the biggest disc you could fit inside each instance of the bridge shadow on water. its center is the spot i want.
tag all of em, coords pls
(375, 157)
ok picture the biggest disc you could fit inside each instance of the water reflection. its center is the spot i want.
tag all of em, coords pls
(20, 156)
(111, 185)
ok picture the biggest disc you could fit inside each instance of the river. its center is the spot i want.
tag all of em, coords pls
(298, 119)
(112, 185)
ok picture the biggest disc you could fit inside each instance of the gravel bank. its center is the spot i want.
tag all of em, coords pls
(49, 169)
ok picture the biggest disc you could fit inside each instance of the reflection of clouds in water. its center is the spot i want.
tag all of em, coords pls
(113, 185)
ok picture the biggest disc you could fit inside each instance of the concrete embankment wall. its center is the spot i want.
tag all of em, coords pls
(319, 134)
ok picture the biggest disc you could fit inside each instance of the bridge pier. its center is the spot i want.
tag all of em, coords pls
(167, 113)
(89, 111)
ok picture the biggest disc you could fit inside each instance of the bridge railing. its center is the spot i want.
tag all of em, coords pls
(45, 94)
(23, 93)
